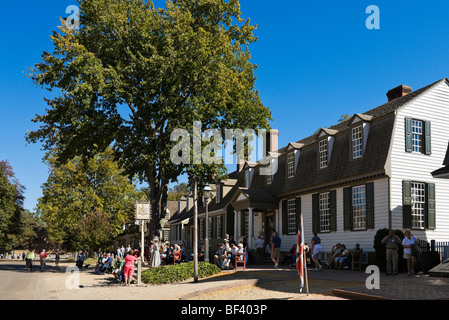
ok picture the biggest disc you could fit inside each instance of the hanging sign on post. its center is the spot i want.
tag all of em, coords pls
(143, 211)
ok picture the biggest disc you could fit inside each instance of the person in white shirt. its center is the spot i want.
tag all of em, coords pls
(259, 249)
(407, 243)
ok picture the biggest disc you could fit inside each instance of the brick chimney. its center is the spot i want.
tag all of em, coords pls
(398, 92)
(271, 143)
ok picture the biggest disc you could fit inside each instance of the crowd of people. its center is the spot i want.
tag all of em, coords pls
(228, 252)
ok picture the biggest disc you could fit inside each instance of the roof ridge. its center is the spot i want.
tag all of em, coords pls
(394, 104)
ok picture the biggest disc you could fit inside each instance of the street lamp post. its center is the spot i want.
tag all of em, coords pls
(206, 192)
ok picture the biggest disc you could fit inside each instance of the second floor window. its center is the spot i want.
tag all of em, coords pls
(417, 135)
(291, 165)
(323, 153)
(357, 142)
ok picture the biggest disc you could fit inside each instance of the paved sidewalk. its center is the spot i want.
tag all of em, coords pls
(279, 283)
(399, 287)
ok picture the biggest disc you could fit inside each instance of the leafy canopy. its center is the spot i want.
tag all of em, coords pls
(133, 73)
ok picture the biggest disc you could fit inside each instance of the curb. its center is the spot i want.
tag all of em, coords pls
(357, 295)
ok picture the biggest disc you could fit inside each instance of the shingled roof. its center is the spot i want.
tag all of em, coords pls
(341, 165)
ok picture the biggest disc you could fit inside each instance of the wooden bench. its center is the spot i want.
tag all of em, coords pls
(243, 261)
(362, 259)
(176, 259)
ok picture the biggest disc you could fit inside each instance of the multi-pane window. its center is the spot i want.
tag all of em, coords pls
(357, 142)
(418, 204)
(247, 179)
(417, 135)
(291, 210)
(324, 212)
(246, 217)
(219, 226)
(291, 165)
(218, 194)
(201, 229)
(359, 207)
(210, 227)
(323, 153)
(269, 172)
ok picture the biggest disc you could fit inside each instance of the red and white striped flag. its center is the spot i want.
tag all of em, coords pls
(300, 252)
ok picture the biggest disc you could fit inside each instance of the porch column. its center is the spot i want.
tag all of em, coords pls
(250, 228)
(235, 225)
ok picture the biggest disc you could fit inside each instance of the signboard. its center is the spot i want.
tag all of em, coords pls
(143, 211)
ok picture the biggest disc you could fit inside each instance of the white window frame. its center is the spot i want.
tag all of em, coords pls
(291, 165)
(357, 142)
(418, 205)
(323, 147)
(417, 136)
(291, 216)
(359, 207)
(325, 212)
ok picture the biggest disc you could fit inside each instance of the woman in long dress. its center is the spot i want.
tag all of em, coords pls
(156, 255)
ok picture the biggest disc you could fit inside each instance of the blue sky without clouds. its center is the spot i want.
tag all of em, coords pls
(317, 61)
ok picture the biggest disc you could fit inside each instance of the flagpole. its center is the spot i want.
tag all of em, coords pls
(305, 258)
(305, 272)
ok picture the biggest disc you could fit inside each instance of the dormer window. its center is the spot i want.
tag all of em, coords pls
(269, 173)
(218, 194)
(323, 152)
(357, 142)
(247, 179)
(290, 165)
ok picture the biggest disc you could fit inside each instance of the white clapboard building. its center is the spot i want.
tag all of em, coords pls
(384, 168)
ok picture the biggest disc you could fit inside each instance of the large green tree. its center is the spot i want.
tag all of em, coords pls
(133, 73)
(83, 198)
(16, 223)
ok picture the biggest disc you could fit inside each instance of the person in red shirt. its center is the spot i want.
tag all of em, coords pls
(129, 267)
(43, 257)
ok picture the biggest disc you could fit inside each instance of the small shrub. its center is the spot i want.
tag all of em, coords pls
(177, 273)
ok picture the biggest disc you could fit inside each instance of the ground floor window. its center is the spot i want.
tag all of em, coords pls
(418, 205)
(359, 207)
(291, 209)
(324, 212)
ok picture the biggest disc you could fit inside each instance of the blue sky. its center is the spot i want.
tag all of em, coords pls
(317, 61)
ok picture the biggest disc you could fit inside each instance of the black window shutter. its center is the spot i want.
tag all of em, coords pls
(369, 205)
(407, 204)
(284, 217)
(298, 210)
(431, 217)
(333, 210)
(315, 213)
(427, 141)
(347, 208)
(408, 135)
